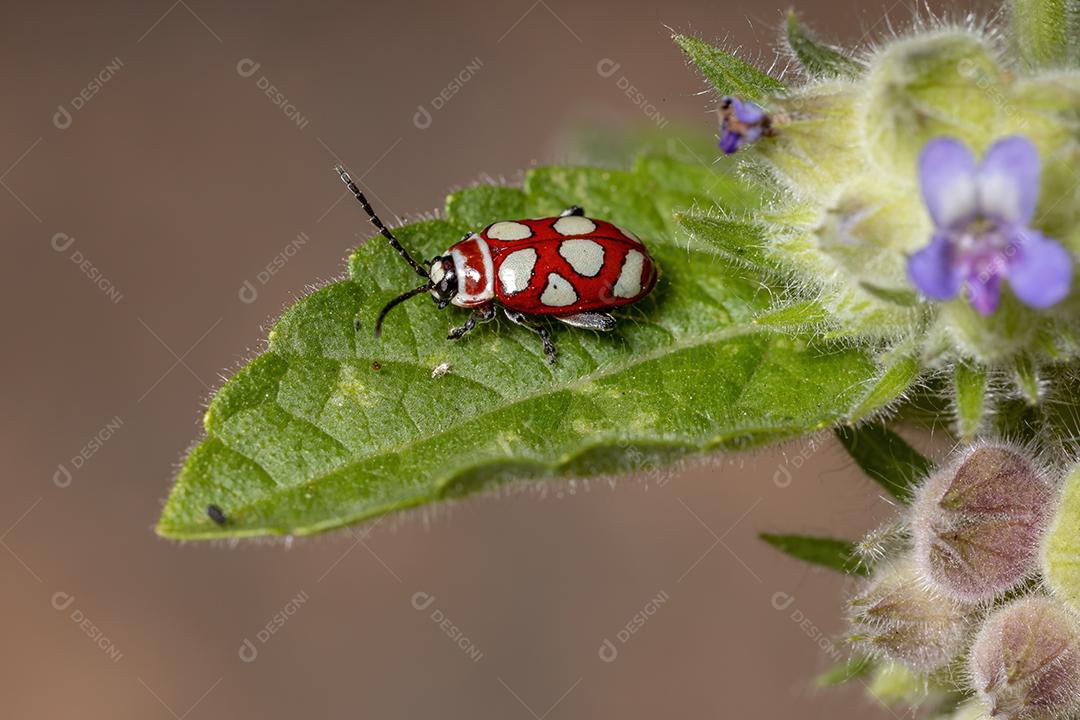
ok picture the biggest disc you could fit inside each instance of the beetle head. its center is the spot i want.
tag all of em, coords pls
(444, 280)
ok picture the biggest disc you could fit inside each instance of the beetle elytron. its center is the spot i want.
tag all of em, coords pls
(571, 268)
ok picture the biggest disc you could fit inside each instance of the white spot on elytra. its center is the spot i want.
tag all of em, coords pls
(516, 270)
(559, 292)
(585, 256)
(629, 283)
(574, 225)
(509, 231)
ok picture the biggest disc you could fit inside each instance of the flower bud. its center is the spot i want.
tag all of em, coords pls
(1025, 661)
(969, 710)
(1061, 571)
(978, 522)
(940, 84)
(895, 685)
(813, 152)
(1043, 108)
(897, 616)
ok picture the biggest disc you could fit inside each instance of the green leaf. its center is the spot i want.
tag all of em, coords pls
(686, 182)
(331, 426)
(797, 318)
(482, 202)
(971, 386)
(886, 457)
(851, 669)
(818, 59)
(1041, 30)
(900, 370)
(741, 243)
(826, 552)
(727, 73)
(1026, 375)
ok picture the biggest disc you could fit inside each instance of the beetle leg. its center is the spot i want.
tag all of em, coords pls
(589, 320)
(523, 320)
(482, 314)
(572, 211)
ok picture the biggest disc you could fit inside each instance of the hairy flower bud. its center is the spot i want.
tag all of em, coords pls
(813, 153)
(969, 710)
(897, 616)
(944, 83)
(1025, 661)
(978, 522)
(1060, 568)
(895, 685)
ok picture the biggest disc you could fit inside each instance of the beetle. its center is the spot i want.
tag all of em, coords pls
(572, 268)
(216, 514)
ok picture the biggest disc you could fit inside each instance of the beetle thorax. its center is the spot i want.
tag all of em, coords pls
(474, 272)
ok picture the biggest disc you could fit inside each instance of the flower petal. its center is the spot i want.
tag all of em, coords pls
(1008, 180)
(748, 112)
(948, 174)
(934, 271)
(1040, 271)
(984, 292)
(730, 142)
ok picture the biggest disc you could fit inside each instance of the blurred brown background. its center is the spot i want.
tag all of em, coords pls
(147, 176)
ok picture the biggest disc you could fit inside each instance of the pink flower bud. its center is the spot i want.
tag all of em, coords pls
(899, 617)
(978, 522)
(1025, 661)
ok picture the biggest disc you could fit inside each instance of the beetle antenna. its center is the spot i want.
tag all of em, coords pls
(347, 179)
(395, 302)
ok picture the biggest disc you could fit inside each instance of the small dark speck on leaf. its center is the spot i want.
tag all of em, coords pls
(376, 366)
(216, 514)
(356, 324)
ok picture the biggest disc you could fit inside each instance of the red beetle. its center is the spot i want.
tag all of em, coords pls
(572, 268)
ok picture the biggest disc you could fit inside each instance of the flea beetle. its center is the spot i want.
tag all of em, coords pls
(572, 268)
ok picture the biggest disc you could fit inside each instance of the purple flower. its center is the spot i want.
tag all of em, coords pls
(982, 215)
(741, 123)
